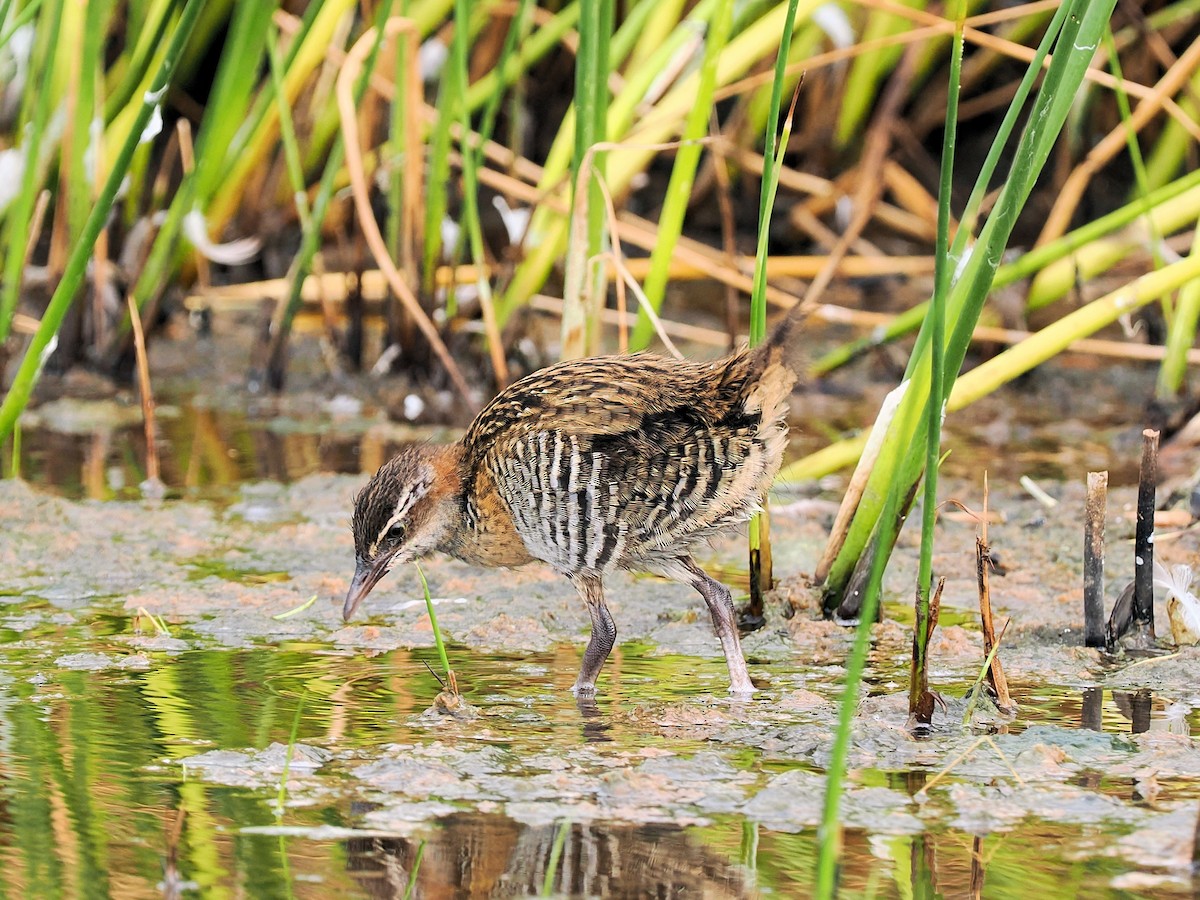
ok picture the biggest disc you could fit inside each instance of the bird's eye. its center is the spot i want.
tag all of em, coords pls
(396, 533)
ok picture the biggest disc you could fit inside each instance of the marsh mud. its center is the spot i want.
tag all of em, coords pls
(167, 725)
(183, 711)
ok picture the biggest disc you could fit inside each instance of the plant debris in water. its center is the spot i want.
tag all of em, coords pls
(662, 746)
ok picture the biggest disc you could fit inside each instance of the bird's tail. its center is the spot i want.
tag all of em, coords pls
(784, 345)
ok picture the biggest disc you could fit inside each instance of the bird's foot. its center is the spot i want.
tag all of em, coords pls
(742, 689)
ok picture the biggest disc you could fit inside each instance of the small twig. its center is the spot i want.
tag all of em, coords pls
(1037, 493)
(973, 693)
(1093, 559)
(152, 486)
(436, 676)
(983, 565)
(296, 610)
(952, 764)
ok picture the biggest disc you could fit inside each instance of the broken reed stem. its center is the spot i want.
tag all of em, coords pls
(983, 565)
(920, 700)
(153, 482)
(1143, 548)
(1093, 559)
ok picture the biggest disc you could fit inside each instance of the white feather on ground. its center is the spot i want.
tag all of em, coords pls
(1183, 607)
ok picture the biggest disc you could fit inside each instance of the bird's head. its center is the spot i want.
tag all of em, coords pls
(404, 512)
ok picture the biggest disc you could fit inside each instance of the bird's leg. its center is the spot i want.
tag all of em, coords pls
(604, 633)
(724, 616)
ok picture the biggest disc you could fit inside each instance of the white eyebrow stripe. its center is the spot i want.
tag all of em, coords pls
(403, 505)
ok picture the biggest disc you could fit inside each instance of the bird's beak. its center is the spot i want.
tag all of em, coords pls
(366, 576)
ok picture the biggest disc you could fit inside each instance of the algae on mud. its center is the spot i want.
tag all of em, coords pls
(123, 730)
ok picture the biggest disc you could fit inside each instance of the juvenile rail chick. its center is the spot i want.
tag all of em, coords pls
(593, 465)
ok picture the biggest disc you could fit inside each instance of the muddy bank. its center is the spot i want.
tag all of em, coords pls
(663, 747)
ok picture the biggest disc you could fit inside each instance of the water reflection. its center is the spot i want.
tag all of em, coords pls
(1135, 706)
(94, 803)
(471, 855)
(596, 726)
(1092, 711)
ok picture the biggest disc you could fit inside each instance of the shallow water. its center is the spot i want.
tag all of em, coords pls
(248, 755)
(114, 784)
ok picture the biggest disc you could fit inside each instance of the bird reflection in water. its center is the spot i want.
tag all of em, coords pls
(472, 855)
(596, 725)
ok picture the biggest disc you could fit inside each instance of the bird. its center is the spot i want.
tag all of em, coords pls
(593, 465)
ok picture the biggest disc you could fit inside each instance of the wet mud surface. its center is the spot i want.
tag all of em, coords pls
(323, 733)
(183, 711)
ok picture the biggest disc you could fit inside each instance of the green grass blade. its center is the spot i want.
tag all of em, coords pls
(937, 313)
(20, 214)
(1182, 333)
(437, 632)
(829, 839)
(24, 17)
(683, 174)
(41, 344)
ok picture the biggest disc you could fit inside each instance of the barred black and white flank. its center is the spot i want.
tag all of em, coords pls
(592, 465)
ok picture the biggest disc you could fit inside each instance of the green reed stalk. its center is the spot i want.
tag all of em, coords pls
(218, 143)
(24, 17)
(903, 454)
(140, 60)
(438, 163)
(556, 850)
(15, 470)
(936, 404)
(683, 174)
(41, 345)
(281, 795)
(79, 186)
(38, 95)
(398, 116)
(538, 44)
(1020, 358)
(287, 133)
(1141, 179)
(471, 158)
(829, 833)
(1044, 290)
(582, 300)
(868, 71)
(1181, 334)
(255, 141)
(750, 44)
(913, 318)
(411, 887)
(759, 537)
(518, 25)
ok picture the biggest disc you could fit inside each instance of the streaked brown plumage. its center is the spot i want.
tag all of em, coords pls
(592, 465)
